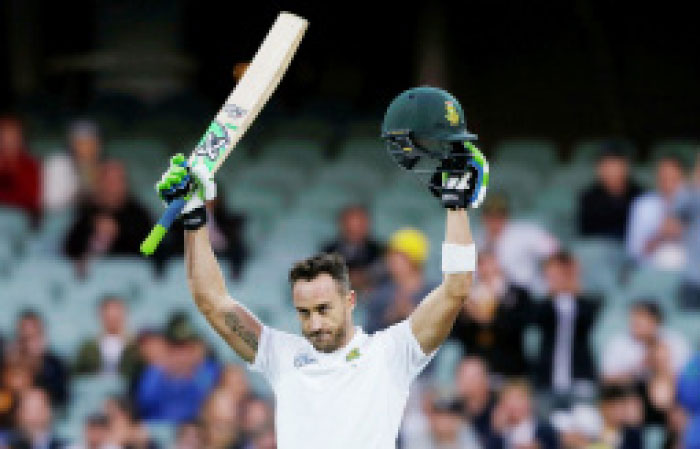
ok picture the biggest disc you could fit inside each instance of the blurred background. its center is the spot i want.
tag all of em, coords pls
(584, 320)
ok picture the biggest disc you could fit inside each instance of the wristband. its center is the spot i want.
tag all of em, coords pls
(195, 219)
(458, 258)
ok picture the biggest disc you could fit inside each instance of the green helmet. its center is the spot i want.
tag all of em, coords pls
(426, 113)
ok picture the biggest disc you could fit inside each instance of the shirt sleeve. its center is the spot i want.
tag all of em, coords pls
(403, 352)
(272, 347)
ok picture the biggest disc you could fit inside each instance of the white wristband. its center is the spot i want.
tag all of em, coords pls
(458, 258)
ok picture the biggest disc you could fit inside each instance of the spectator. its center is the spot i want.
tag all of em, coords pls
(113, 351)
(96, 434)
(653, 237)
(20, 183)
(578, 428)
(689, 398)
(566, 319)
(16, 379)
(234, 381)
(493, 321)
(152, 350)
(189, 436)
(355, 244)
(604, 206)
(626, 357)
(30, 348)
(226, 233)
(515, 423)
(175, 390)
(110, 222)
(73, 176)
(124, 430)
(518, 246)
(687, 216)
(474, 391)
(220, 419)
(34, 423)
(257, 418)
(395, 298)
(447, 428)
(619, 426)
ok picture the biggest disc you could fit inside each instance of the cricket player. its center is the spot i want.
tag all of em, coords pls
(336, 386)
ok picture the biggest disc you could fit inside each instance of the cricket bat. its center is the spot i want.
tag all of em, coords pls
(245, 102)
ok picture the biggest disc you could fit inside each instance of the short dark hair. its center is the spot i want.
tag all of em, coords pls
(30, 314)
(649, 307)
(332, 264)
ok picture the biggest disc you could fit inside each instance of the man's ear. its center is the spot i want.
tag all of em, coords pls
(352, 298)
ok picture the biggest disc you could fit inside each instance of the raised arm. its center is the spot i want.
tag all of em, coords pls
(236, 324)
(434, 317)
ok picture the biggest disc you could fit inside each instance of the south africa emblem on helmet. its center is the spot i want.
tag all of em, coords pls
(213, 142)
(452, 116)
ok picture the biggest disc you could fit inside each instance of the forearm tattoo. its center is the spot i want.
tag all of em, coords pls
(234, 323)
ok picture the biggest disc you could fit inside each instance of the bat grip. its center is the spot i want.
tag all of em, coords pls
(149, 245)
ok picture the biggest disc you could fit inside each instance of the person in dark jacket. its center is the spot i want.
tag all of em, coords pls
(604, 206)
(566, 320)
(493, 321)
(112, 222)
(30, 349)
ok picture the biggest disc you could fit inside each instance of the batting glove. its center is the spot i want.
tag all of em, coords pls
(461, 180)
(193, 183)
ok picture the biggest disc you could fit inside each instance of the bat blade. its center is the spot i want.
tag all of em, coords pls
(243, 105)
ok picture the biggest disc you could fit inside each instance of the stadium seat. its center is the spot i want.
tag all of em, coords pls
(353, 175)
(686, 150)
(586, 152)
(46, 146)
(521, 184)
(648, 283)
(366, 150)
(325, 201)
(14, 223)
(572, 178)
(446, 362)
(534, 155)
(557, 207)
(271, 176)
(305, 154)
(601, 263)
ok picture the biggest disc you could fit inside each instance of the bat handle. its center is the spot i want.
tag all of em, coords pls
(149, 245)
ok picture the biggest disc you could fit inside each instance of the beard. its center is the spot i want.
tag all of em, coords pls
(327, 340)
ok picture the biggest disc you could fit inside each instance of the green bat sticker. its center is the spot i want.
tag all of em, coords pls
(214, 141)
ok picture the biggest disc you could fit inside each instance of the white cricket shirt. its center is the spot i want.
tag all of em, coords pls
(352, 398)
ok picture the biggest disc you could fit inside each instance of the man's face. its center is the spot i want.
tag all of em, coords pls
(612, 173)
(487, 268)
(669, 177)
(472, 379)
(96, 435)
(34, 413)
(445, 425)
(355, 225)
(643, 325)
(516, 402)
(113, 186)
(324, 311)
(11, 138)
(112, 316)
(561, 277)
(30, 334)
(86, 148)
(494, 223)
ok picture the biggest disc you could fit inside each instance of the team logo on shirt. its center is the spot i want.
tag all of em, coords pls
(303, 360)
(352, 355)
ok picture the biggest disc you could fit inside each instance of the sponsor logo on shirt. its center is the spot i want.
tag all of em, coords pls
(352, 355)
(303, 360)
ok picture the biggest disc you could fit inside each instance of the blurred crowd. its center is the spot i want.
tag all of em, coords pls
(503, 396)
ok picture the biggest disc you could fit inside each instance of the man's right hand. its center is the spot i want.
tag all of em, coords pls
(193, 183)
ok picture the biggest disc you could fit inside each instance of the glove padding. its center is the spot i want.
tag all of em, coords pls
(461, 179)
(192, 183)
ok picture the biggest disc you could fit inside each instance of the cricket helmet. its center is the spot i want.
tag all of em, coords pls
(426, 133)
